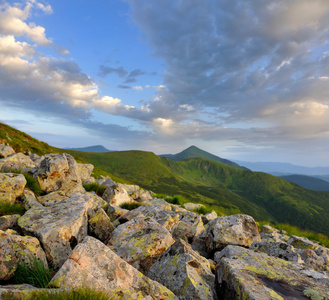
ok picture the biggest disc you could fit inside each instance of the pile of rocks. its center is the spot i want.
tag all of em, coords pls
(156, 251)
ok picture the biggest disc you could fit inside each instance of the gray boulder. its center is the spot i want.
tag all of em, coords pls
(6, 151)
(184, 272)
(245, 274)
(11, 186)
(232, 230)
(92, 264)
(59, 172)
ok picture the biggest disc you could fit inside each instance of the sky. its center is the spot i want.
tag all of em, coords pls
(243, 79)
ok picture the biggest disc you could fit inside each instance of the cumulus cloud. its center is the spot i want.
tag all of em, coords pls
(241, 59)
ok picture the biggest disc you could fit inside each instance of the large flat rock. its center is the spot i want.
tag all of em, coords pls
(94, 265)
(60, 227)
(244, 274)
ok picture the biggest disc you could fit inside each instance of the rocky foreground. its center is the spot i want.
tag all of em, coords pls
(156, 251)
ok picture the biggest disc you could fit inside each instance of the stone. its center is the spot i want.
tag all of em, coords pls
(85, 171)
(61, 227)
(116, 195)
(302, 243)
(140, 242)
(115, 212)
(231, 230)
(58, 172)
(8, 261)
(184, 272)
(160, 203)
(165, 218)
(102, 180)
(280, 250)
(194, 220)
(6, 151)
(245, 274)
(17, 161)
(137, 193)
(26, 248)
(101, 226)
(17, 291)
(11, 186)
(208, 217)
(183, 231)
(193, 206)
(92, 264)
(29, 200)
(313, 260)
(8, 222)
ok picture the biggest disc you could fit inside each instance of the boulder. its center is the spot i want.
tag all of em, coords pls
(6, 151)
(17, 161)
(208, 217)
(302, 243)
(29, 200)
(16, 291)
(85, 171)
(184, 272)
(315, 260)
(232, 230)
(165, 218)
(280, 250)
(140, 242)
(26, 248)
(8, 261)
(270, 234)
(11, 186)
(60, 227)
(58, 172)
(8, 222)
(115, 212)
(92, 264)
(102, 180)
(193, 206)
(101, 226)
(245, 274)
(116, 195)
(137, 193)
(160, 203)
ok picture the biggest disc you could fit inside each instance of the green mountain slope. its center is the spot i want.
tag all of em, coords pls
(226, 188)
(195, 152)
(308, 182)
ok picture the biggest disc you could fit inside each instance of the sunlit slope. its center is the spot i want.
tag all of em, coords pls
(264, 196)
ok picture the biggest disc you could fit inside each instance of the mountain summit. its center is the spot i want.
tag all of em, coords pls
(195, 152)
(96, 148)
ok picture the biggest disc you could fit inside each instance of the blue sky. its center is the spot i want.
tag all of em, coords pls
(244, 80)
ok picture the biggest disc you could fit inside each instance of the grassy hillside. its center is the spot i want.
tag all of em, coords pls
(227, 189)
(195, 152)
(308, 182)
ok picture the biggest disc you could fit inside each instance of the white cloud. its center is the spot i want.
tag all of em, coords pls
(138, 88)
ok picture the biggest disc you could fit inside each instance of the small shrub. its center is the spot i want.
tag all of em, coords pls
(75, 294)
(37, 274)
(202, 210)
(7, 208)
(98, 189)
(173, 199)
(131, 205)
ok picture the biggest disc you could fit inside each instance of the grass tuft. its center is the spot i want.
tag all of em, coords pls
(75, 294)
(37, 273)
(33, 184)
(98, 189)
(7, 208)
(130, 205)
(202, 210)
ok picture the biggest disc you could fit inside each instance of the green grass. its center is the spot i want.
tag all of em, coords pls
(202, 210)
(294, 230)
(98, 189)
(75, 294)
(7, 208)
(37, 274)
(33, 184)
(131, 205)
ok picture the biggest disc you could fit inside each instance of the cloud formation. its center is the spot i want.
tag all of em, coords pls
(246, 61)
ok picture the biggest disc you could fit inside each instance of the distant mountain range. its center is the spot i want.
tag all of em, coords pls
(194, 152)
(280, 169)
(308, 182)
(96, 148)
